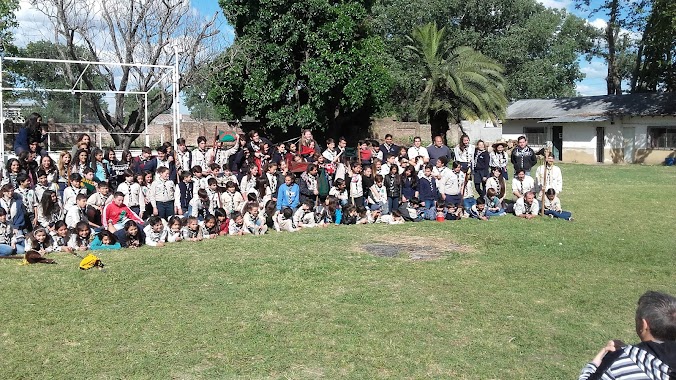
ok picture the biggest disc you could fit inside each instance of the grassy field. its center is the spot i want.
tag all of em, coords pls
(507, 299)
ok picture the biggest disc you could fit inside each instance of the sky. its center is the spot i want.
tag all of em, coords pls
(35, 26)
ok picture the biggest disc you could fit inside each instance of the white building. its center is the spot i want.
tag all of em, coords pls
(633, 128)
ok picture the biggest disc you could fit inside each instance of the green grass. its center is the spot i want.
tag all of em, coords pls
(530, 299)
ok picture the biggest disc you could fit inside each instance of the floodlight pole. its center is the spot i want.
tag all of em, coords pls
(2, 113)
(176, 128)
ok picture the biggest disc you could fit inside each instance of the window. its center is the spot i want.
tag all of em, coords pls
(535, 135)
(662, 137)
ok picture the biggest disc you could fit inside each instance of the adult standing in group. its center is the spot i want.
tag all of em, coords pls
(654, 357)
(464, 153)
(523, 156)
(417, 150)
(438, 150)
(307, 145)
(388, 148)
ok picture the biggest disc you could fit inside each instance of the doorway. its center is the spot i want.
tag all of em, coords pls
(557, 141)
(600, 144)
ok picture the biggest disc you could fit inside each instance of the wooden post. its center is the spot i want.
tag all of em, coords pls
(544, 182)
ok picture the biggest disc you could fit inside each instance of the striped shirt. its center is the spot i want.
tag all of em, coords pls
(634, 363)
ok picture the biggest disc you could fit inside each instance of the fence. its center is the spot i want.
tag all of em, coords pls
(63, 140)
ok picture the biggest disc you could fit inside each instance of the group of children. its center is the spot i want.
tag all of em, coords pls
(99, 202)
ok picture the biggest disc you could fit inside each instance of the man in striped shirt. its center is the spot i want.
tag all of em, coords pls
(652, 359)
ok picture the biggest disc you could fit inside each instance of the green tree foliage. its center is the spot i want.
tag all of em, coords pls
(7, 22)
(655, 68)
(538, 47)
(302, 64)
(61, 106)
(460, 83)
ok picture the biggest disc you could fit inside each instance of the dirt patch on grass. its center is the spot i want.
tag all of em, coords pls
(416, 248)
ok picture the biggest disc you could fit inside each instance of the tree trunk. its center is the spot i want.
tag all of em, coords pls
(613, 81)
(439, 125)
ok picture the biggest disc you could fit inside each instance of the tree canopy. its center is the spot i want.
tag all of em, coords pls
(302, 64)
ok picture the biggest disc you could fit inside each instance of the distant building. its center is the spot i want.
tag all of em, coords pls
(633, 128)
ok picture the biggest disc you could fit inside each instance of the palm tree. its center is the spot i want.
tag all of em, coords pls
(460, 83)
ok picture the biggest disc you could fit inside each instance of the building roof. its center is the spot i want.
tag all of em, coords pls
(593, 108)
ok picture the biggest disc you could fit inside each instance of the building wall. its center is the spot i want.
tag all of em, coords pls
(579, 139)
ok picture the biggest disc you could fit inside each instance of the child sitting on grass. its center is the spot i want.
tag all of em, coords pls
(156, 232)
(553, 206)
(192, 231)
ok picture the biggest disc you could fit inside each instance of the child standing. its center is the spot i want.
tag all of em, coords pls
(161, 195)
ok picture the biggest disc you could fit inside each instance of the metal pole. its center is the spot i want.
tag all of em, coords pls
(2, 113)
(177, 111)
(145, 116)
(49, 60)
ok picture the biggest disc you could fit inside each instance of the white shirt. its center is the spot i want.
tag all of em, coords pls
(466, 155)
(520, 207)
(554, 178)
(414, 152)
(523, 186)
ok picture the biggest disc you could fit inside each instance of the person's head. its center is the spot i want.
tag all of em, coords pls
(442, 162)
(342, 143)
(288, 179)
(40, 234)
(203, 195)
(368, 171)
(131, 228)
(162, 153)
(42, 177)
(363, 145)
(210, 221)
(375, 145)
(13, 165)
(82, 156)
(480, 145)
(97, 155)
(388, 139)
(307, 135)
(81, 200)
(312, 169)
(107, 238)
(520, 174)
(192, 223)
(175, 223)
(82, 230)
(127, 157)
(46, 162)
(252, 207)
(378, 179)
(156, 223)
(307, 205)
(438, 141)
(22, 180)
(146, 152)
(456, 166)
(491, 192)
(330, 144)
(163, 173)
(292, 147)
(253, 170)
(64, 158)
(220, 214)
(118, 198)
(656, 317)
(88, 174)
(480, 204)
(61, 228)
(201, 142)
(550, 158)
(271, 168)
(186, 176)
(230, 187)
(3, 215)
(236, 216)
(522, 141)
(75, 180)
(196, 171)
(356, 167)
(428, 170)
(550, 193)
(254, 136)
(496, 171)
(212, 183)
(464, 140)
(103, 188)
(7, 190)
(529, 197)
(417, 141)
(84, 139)
(180, 144)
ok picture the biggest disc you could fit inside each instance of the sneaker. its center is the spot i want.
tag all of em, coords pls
(551, 216)
(571, 219)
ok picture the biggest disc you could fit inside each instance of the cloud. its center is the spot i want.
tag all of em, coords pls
(591, 89)
(561, 4)
(596, 69)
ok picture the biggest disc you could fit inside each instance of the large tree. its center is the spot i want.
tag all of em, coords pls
(460, 83)
(131, 31)
(7, 22)
(302, 64)
(538, 47)
(655, 66)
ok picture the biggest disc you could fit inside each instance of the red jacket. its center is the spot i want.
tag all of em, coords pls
(112, 212)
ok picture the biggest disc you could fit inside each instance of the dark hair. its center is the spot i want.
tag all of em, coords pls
(2, 212)
(10, 162)
(521, 138)
(287, 212)
(48, 207)
(21, 177)
(659, 310)
(481, 201)
(146, 149)
(128, 224)
(175, 219)
(118, 194)
(444, 160)
(201, 139)
(180, 141)
(103, 184)
(196, 169)
(220, 211)
(110, 235)
(550, 191)
(456, 164)
(212, 181)
(210, 218)
(80, 196)
(185, 174)
(81, 226)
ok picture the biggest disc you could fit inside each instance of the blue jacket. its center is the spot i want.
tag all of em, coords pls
(288, 196)
(426, 190)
